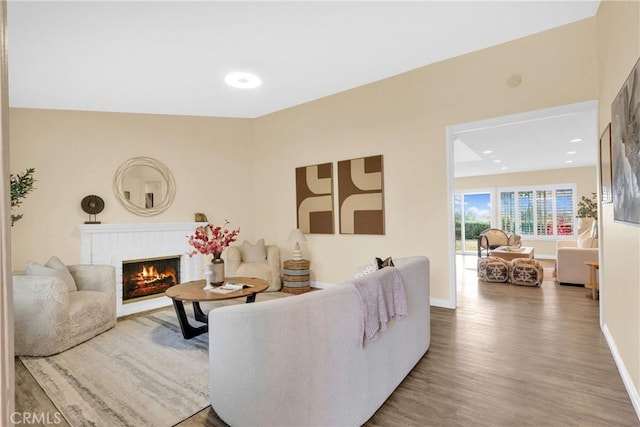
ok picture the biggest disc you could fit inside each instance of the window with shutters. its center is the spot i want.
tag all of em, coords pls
(541, 211)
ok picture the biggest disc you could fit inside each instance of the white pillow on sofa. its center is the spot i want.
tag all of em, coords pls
(368, 269)
(53, 267)
(587, 242)
(253, 253)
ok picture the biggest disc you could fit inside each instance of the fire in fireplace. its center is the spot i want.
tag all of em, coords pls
(145, 278)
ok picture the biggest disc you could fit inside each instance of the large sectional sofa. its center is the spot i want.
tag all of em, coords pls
(300, 361)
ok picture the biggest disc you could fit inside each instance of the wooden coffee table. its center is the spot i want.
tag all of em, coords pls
(192, 292)
(507, 254)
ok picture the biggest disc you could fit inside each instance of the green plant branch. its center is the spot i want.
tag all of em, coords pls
(588, 207)
(21, 185)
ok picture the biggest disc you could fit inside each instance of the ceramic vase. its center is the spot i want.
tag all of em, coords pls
(217, 269)
(208, 274)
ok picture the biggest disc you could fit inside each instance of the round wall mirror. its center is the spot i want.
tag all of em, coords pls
(144, 186)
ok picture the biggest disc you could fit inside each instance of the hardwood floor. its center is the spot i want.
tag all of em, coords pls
(513, 356)
(507, 356)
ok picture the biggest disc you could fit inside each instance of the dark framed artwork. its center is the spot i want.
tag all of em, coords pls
(361, 195)
(625, 149)
(606, 194)
(314, 199)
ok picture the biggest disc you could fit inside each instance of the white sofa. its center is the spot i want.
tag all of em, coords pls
(299, 361)
(570, 262)
(571, 255)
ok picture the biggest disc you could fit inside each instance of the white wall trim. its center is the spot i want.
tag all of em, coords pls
(322, 285)
(451, 226)
(624, 373)
(140, 227)
(7, 372)
(7, 361)
(444, 303)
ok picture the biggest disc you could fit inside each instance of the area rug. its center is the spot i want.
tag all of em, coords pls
(140, 373)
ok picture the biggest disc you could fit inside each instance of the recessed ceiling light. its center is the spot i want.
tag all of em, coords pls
(504, 168)
(497, 161)
(242, 80)
(576, 140)
(568, 161)
(571, 152)
(487, 152)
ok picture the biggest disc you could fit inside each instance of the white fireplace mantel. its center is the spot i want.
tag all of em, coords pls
(113, 243)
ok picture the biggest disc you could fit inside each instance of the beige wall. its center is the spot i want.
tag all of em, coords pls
(585, 179)
(618, 27)
(405, 119)
(217, 171)
(77, 153)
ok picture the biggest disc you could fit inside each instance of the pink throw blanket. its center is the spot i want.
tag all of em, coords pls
(382, 299)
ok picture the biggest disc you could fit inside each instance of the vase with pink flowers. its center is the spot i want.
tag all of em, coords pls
(211, 240)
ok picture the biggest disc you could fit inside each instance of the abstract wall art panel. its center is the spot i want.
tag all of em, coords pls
(360, 195)
(314, 198)
(625, 149)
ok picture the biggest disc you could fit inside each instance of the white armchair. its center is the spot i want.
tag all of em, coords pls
(50, 318)
(571, 255)
(261, 261)
(570, 262)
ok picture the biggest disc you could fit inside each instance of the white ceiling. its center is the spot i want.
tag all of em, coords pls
(554, 138)
(170, 57)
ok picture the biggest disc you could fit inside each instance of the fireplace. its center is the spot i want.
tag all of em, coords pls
(149, 277)
(119, 244)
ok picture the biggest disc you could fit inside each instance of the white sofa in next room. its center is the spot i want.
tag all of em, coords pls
(300, 361)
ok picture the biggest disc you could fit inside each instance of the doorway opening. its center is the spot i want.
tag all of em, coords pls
(516, 151)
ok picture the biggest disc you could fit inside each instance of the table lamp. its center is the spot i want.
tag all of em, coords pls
(296, 237)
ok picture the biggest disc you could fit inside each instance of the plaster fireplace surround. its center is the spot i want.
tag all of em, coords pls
(113, 244)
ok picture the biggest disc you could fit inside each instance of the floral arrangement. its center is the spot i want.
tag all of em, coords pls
(210, 239)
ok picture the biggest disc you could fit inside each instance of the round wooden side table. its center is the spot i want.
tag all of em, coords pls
(296, 276)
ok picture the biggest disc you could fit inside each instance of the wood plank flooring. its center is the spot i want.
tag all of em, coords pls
(508, 356)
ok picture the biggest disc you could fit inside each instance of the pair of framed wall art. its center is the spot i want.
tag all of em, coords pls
(360, 197)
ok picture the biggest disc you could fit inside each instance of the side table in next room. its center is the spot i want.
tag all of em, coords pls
(296, 277)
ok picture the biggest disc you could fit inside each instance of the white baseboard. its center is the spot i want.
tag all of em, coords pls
(439, 302)
(626, 378)
(322, 285)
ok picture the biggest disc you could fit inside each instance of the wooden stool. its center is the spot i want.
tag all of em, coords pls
(296, 277)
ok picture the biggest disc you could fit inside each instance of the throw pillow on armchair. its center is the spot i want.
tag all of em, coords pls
(253, 253)
(259, 260)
